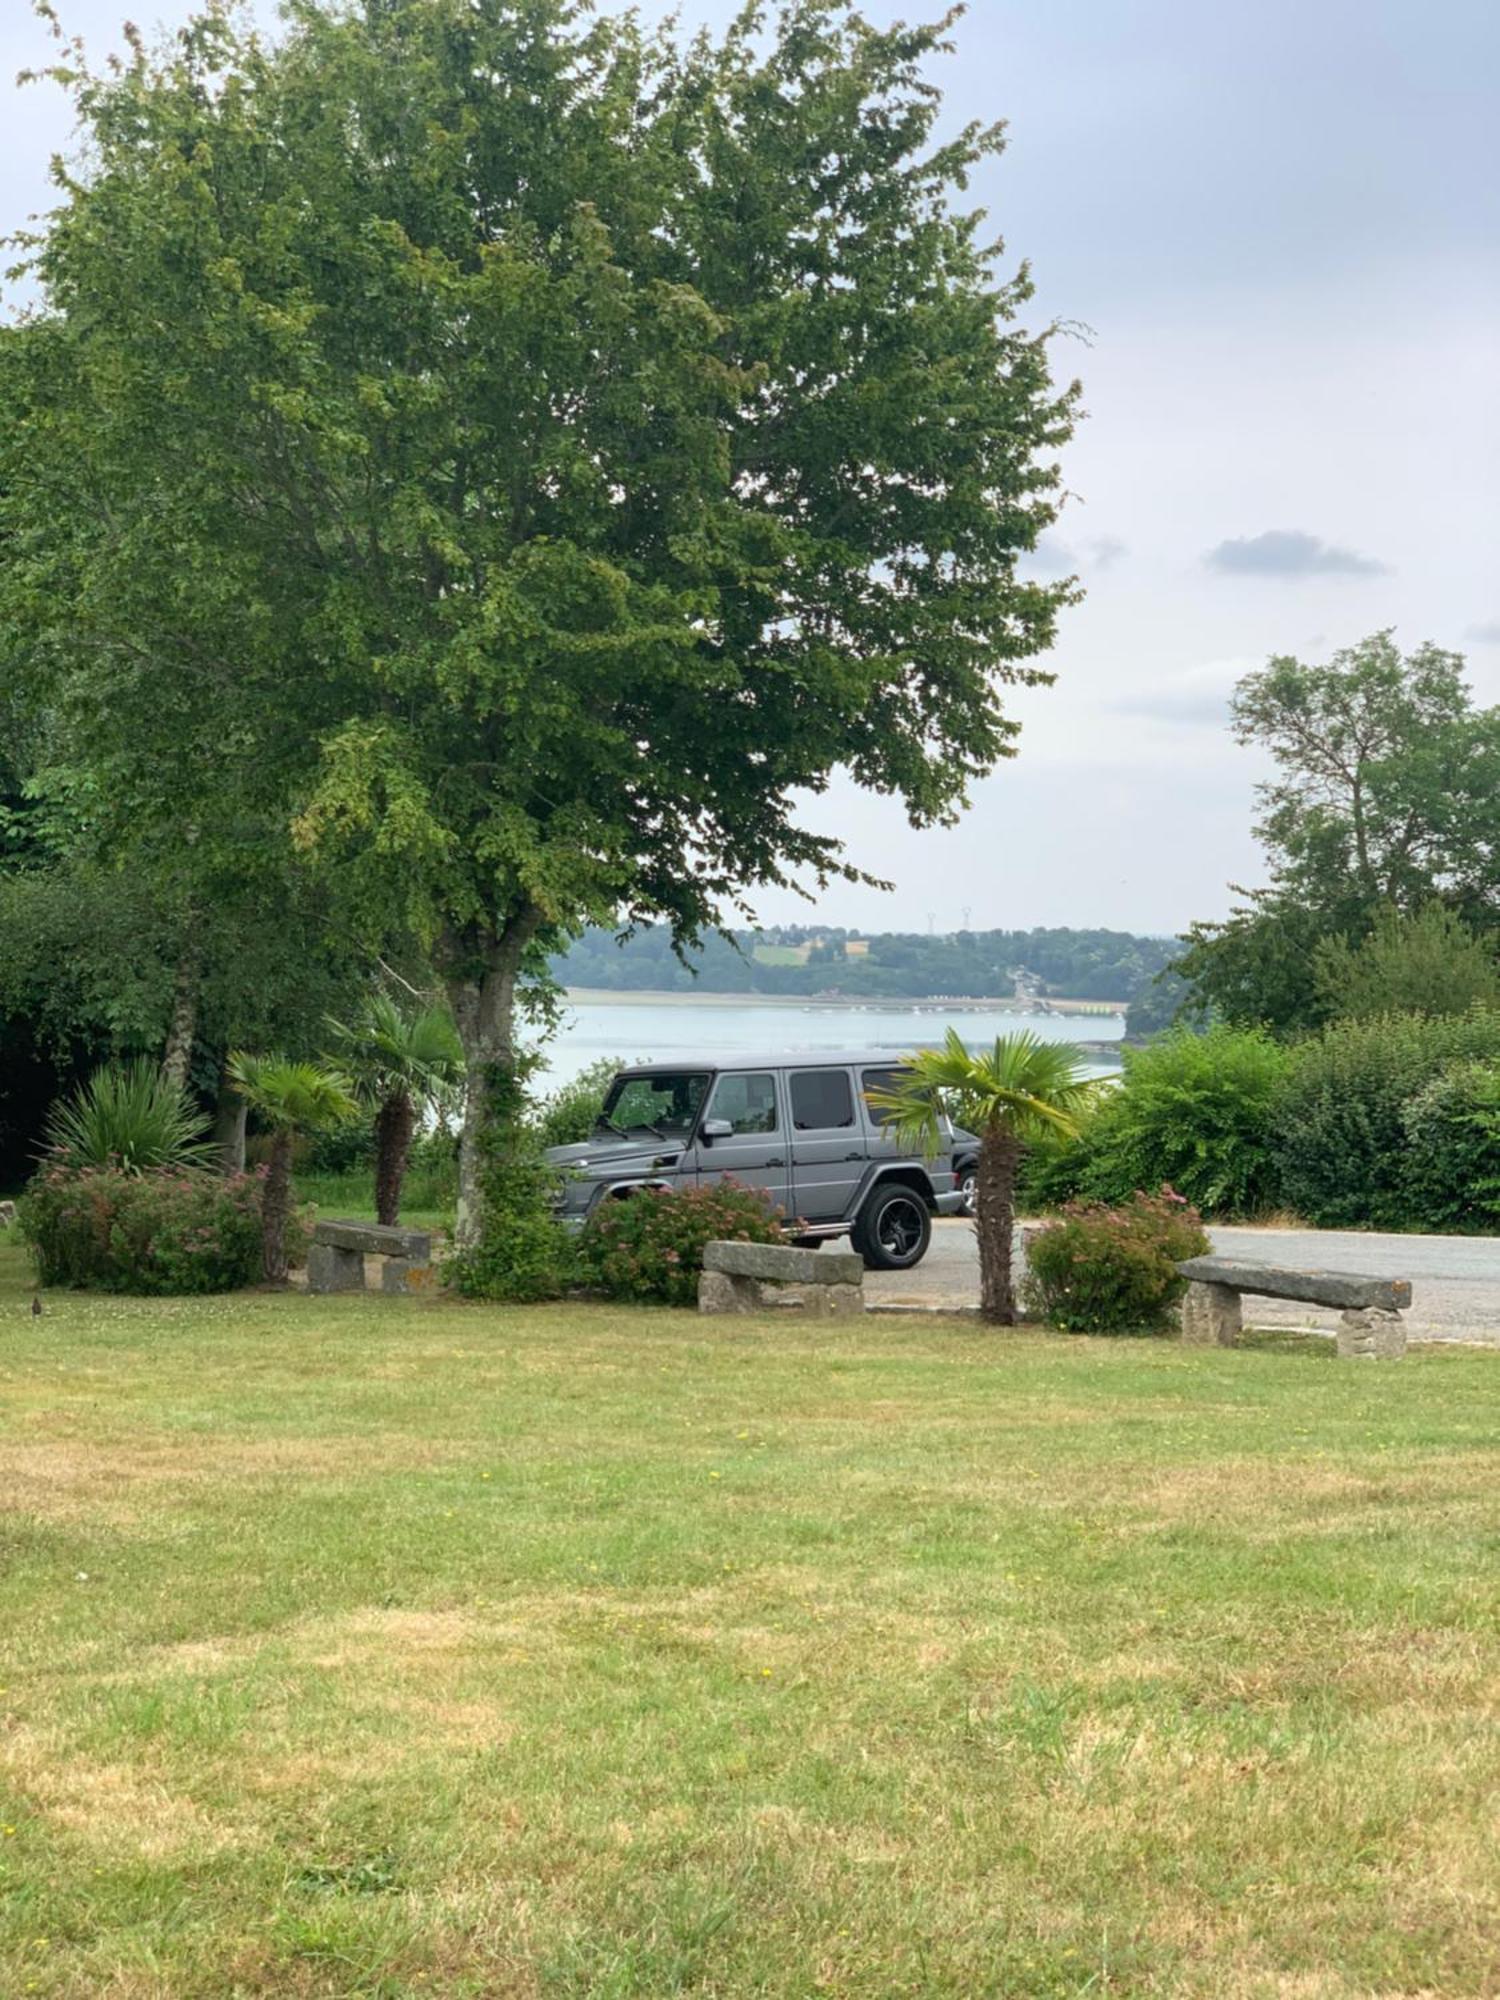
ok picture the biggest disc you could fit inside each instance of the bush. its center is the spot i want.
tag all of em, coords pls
(1112, 1270)
(569, 1115)
(1342, 1142)
(164, 1231)
(339, 1149)
(1052, 1169)
(1193, 1111)
(650, 1246)
(1452, 1163)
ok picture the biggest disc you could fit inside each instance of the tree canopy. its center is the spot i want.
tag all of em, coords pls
(1386, 799)
(527, 453)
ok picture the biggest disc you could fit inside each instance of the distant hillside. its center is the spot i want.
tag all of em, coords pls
(890, 965)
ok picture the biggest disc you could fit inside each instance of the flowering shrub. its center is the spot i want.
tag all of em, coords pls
(166, 1230)
(650, 1246)
(1112, 1270)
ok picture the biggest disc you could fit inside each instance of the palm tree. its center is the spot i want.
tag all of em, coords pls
(290, 1097)
(1018, 1091)
(400, 1061)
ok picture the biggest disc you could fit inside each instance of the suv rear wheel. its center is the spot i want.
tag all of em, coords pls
(893, 1229)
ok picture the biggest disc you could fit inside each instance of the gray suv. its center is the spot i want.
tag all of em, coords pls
(797, 1128)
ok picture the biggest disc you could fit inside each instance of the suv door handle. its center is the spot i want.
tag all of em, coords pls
(776, 1160)
(854, 1156)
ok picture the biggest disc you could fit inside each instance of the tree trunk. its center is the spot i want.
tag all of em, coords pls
(230, 1112)
(178, 1052)
(394, 1124)
(276, 1207)
(994, 1225)
(480, 974)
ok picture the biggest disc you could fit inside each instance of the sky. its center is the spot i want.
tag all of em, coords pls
(1279, 222)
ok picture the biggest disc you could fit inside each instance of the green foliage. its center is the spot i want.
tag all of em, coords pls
(1099, 1269)
(807, 959)
(1341, 1147)
(650, 1245)
(1020, 1091)
(293, 1096)
(129, 1115)
(539, 491)
(569, 1115)
(1195, 1111)
(1451, 1175)
(1023, 1087)
(157, 1230)
(1052, 1169)
(523, 1253)
(389, 1048)
(1167, 1001)
(1428, 962)
(1387, 793)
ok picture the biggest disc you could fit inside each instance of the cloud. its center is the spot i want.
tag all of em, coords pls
(1055, 558)
(1487, 634)
(1290, 552)
(1105, 551)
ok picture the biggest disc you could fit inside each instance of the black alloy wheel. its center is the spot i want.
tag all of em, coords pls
(894, 1229)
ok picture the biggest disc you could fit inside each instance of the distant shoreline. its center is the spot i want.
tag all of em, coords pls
(614, 996)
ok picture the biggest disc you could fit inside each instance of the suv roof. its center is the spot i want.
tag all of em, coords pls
(758, 1059)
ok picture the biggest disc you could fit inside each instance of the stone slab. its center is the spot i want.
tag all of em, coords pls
(7, 1214)
(332, 1268)
(1342, 1290)
(403, 1275)
(779, 1264)
(373, 1240)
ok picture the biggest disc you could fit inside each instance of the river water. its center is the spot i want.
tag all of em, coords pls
(650, 1028)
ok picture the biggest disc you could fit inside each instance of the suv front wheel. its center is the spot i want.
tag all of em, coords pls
(893, 1229)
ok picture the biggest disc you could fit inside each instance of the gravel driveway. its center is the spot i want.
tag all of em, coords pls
(1455, 1279)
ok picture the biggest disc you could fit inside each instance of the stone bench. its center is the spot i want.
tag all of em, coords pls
(1371, 1327)
(746, 1277)
(336, 1260)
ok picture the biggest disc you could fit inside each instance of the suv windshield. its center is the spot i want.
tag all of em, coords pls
(665, 1102)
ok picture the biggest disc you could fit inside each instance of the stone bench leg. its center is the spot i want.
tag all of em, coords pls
(1211, 1316)
(403, 1275)
(330, 1269)
(1371, 1335)
(719, 1293)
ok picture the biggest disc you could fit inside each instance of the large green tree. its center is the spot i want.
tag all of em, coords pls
(1385, 798)
(534, 451)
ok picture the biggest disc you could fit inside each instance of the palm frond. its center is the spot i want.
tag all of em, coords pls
(389, 1048)
(1020, 1088)
(291, 1095)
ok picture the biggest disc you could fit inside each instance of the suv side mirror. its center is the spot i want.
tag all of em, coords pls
(716, 1128)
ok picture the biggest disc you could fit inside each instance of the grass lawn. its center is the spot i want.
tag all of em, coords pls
(391, 1647)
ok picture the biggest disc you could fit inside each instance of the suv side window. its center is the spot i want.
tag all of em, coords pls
(822, 1100)
(878, 1079)
(748, 1102)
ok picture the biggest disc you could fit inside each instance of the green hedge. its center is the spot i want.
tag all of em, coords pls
(1347, 1123)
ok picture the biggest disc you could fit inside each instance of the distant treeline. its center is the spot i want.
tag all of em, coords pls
(898, 965)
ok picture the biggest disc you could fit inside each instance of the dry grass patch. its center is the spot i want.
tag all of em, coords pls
(574, 1655)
